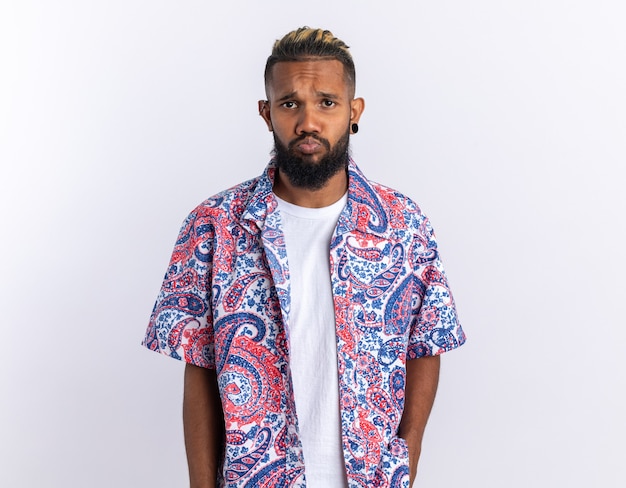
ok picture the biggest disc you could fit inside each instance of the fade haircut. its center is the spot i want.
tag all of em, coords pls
(304, 44)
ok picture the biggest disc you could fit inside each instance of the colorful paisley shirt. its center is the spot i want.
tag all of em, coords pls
(224, 305)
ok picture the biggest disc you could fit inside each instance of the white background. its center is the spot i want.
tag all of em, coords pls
(506, 121)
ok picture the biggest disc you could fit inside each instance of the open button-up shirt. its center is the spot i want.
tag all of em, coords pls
(224, 305)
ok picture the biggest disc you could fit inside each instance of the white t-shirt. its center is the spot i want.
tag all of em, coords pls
(313, 346)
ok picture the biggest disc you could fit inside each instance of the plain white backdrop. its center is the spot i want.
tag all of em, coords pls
(504, 120)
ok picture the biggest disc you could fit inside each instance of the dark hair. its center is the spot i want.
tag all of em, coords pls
(306, 43)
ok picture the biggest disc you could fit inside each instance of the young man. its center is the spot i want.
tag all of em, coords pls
(309, 304)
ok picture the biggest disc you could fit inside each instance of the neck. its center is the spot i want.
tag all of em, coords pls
(330, 193)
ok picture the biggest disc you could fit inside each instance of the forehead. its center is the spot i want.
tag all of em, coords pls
(319, 74)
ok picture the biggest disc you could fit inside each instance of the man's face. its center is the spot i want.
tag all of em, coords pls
(310, 109)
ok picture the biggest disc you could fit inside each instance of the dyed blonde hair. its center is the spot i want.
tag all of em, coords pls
(306, 43)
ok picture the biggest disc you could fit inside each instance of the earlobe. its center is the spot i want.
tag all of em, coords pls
(356, 109)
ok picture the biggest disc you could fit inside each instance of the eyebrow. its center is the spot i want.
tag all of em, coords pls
(292, 94)
(332, 96)
(287, 96)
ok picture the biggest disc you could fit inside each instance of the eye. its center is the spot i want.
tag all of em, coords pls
(328, 103)
(289, 105)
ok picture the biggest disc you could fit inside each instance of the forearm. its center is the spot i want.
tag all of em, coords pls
(422, 377)
(203, 423)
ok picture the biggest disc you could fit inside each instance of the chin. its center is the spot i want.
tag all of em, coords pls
(310, 158)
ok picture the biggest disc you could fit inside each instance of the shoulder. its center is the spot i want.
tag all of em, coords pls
(228, 204)
(391, 198)
(402, 211)
(384, 208)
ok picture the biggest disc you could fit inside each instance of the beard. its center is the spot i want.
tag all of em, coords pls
(311, 175)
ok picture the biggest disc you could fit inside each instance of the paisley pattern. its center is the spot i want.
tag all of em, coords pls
(225, 305)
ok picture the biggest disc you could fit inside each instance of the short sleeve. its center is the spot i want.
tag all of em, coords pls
(435, 328)
(181, 323)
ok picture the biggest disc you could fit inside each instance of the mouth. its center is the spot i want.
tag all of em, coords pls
(308, 145)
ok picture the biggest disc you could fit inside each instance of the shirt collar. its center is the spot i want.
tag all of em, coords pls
(364, 211)
(261, 202)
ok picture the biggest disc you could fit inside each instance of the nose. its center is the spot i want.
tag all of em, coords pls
(308, 121)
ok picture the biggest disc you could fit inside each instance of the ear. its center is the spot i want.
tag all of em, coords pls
(264, 111)
(356, 109)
